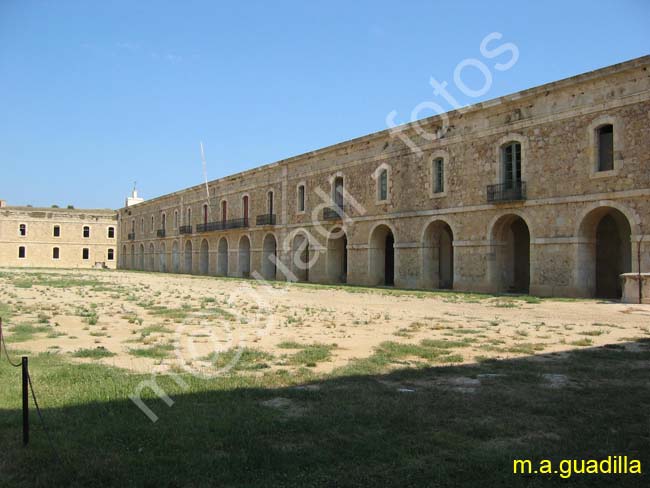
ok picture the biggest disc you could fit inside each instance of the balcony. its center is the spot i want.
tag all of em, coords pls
(160, 233)
(337, 212)
(185, 229)
(131, 236)
(510, 191)
(265, 219)
(237, 223)
(210, 226)
(223, 225)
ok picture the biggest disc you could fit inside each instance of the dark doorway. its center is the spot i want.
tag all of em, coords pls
(344, 277)
(611, 258)
(521, 245)
(389, 264)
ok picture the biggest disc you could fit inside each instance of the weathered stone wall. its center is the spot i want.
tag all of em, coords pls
(566, 197)
(40, 241)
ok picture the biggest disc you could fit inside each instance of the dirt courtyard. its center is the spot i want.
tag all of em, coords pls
(148, 322)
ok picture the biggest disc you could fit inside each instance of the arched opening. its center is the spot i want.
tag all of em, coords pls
(338, 192)
(176, 258)
(141, 258)
(188, 257)
(381, 252)
(300, 257)
(123, 257)
(222, 257)
(162, 258)
(132, 257)
(269, 257)
(605, 252)
(244, 257)
(438, 256)
(511, 238)
(337, 257)
(244, 201)
(151, 261)
(269, 203)
(204, 257)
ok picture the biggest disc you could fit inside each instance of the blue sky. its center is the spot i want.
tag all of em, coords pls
(95, 95)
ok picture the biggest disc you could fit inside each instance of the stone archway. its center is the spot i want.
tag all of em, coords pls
(141, 258)
(381, 256)
(222, 257)
(244, 261)
(511, 241)
(176, 258)
(188, 258)
(604, 252)
(151, 262)
(300, 256)
(438, 256)
(269, 257)
(162, 258)
(204, 257)
(337, 256)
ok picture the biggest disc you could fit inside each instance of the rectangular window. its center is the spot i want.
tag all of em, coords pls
(21, 252)
(22, 229)
(111, 232)
(383, 185)
(511, 164)
(86, 231)
(85, 253)
(111, 254)
(439, 176)
(57, 231)
(55, 253)
(301, 198)
(606, 148)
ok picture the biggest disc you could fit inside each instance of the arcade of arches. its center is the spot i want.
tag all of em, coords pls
(603, 249)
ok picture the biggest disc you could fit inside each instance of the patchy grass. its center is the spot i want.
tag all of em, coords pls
(96, 353)
(311, 354)
(154, 329)
(157, 351)
(24, 332)
(245, 359)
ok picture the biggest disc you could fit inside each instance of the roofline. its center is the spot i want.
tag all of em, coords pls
(59, 209)
(516, 96)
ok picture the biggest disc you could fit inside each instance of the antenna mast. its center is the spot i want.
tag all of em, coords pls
(205, 174)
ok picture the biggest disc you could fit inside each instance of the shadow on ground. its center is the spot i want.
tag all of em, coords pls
(440, 426)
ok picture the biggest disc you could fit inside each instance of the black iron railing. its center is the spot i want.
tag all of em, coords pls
(222, 225)
(337, 212)
(237, 223)
(160, 233)
(265, 219)
(510, 191)
(131, 236)
(210, 226)
(185, 229)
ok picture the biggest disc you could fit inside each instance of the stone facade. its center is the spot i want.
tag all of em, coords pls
(34, 231)
(515, 194)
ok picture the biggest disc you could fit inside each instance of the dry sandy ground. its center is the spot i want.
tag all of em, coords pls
(185, 318)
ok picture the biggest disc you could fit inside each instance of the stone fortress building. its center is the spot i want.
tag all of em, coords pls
(546, 191)
(57, 238)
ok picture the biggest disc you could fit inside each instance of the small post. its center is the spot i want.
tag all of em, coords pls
(25, 369)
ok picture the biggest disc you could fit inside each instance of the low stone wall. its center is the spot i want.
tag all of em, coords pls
(631, 287)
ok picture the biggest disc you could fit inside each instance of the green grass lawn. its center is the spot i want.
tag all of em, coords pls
(450, 425)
